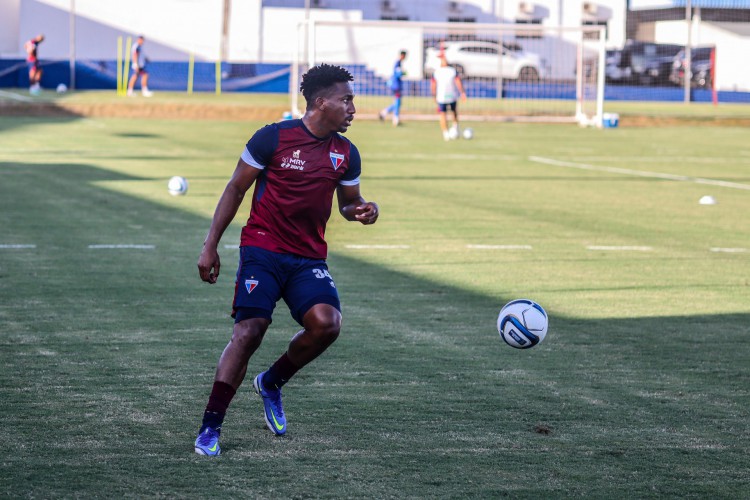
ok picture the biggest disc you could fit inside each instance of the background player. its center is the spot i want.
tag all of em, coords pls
(446, 86)
(138, 58)
(296, 165)
(32, 59)
(395, 84)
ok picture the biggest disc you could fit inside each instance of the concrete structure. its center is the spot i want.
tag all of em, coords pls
(265, 30)
(256, 28)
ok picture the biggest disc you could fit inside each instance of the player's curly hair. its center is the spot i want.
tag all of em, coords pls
(319, 78)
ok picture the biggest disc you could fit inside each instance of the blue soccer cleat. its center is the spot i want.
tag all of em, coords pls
(274, 412)
(207, 442)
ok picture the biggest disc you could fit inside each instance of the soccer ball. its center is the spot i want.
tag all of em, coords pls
(468, 134)
(522, 323)
(62, 88)
(177, 186)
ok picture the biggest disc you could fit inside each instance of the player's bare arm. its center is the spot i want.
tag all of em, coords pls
(209, 263)
(354, 208)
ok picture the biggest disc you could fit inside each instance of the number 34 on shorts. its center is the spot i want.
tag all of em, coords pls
(323, 274)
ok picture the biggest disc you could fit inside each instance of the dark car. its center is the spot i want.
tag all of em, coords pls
(646, 63)
(700, 62)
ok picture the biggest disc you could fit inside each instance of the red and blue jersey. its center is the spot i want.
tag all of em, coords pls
(293, 195)
(31, 48)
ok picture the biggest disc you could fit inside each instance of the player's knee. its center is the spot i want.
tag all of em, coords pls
(249, 334)
(324, 323)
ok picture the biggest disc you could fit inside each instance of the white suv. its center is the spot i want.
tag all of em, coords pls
(480, 59)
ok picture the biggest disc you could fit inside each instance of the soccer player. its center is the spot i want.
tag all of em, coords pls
(296, 165)
(446, 86)
(395, 84)
(138, 58)
(32, 60)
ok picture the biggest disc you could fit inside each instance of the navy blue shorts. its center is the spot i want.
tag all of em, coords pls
(443, 107)
(264, 277)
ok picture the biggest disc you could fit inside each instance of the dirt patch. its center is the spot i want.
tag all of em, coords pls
(682, 121)
(176, 111)
(186, 111)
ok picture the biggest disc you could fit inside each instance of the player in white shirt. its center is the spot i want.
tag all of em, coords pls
(447, 87)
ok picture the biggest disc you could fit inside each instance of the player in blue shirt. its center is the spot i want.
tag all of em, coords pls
(296, 166)
(138, 65)
(395, 84)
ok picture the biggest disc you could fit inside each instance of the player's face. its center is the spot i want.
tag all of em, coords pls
(339, 110)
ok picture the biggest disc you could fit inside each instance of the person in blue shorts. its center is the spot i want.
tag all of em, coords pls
(296, 166)
(396, 86)
(138, 65)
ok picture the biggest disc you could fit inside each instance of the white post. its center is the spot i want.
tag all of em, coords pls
(311, 44)
(688, 51)
(72, 42)
(579, 80)
(600, 78)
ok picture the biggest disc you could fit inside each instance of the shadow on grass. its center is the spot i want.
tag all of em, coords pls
(115, 351)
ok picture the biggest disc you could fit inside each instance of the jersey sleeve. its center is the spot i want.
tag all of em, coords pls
(261, 146)
(351, 177)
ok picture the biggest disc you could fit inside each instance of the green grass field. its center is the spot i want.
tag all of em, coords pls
(641, 389)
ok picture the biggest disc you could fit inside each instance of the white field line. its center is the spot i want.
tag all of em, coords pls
(15, 247)
(451, 156)
(499, 247)
(378, 247)
(17, 97)
(728, 250)
(623, 248)
(235, 247)
(126, 246)
(639, 173)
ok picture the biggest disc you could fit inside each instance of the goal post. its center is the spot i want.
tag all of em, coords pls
(511, 72)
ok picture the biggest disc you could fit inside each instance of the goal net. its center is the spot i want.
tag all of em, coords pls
(512, 72)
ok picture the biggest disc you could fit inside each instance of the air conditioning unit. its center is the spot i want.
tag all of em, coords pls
(526, 8)
(455, 6)
(590, 8)
(388, 5)
(318, 4)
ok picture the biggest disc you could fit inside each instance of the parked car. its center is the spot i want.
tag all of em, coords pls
(700, 62)
(613, 72)
(644, 63)
(480, 59)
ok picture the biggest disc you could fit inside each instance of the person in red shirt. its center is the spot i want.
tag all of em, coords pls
(296, 167)
(32, 59)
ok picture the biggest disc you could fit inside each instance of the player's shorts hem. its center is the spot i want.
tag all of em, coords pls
(320, 299)
(243, 313)
(446, 106)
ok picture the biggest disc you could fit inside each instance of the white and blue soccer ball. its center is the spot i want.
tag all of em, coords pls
(468, 134)
(61, 88)
(177, 186)
(522, 323)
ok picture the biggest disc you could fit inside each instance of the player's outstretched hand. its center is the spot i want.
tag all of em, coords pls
(209, 264)
(367, 213)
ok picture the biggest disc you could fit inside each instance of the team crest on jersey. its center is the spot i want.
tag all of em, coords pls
(336, 159)
(250, 285)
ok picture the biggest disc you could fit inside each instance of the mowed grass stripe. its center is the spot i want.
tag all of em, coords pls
(639, 389)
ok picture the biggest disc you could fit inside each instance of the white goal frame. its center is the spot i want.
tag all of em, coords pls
(371, 47)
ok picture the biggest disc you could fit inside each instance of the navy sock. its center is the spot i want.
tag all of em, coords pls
(279, 373)
(218, 402)
(213, 420)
